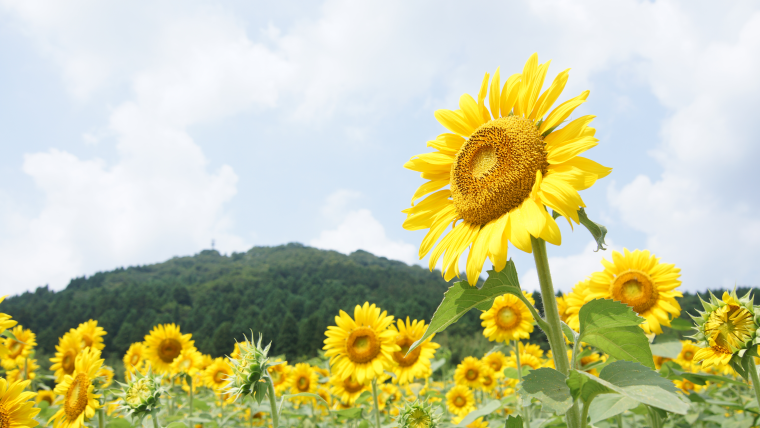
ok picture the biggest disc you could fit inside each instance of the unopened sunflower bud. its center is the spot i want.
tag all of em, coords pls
(418, 415)
(727, 326)
(248, 370)
(141, 395)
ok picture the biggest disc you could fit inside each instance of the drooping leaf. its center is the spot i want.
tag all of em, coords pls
(462, 297)
(514, 422)
(627, 373)
(610, 405)
(486, 410)
(548, 386)
(614, 328)
(597, 230)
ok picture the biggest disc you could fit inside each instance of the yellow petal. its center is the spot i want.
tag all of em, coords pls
(562, 112)
(509, 94)
(478, 252)
(447, 143)
(441, 223)
(533, 220)
(568, 151)
(485, 116)
(587, 165)
(494, 95)
(497, 244)
(442, 246)
(454, 121)
(430, 186)
(535, 88)
(518, 234)
(549, 97)
(528, 75)
(471, 112)
(551, 233)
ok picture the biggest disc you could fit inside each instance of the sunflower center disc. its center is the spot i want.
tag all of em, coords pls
(495, 169)
(471, 375)
(730, 326)
(460, 401)
(362, 345)
(636, 289)
(351, 385)
(5, 419)
(688, 355)
(419, 419)
(15, 349)
(303, 383)
(404, 360)
(76, 397)
(487, 380)
(507, 318)
(219, 377)
(67, 363)
(134, 359)
(495, 365)
(169, 349)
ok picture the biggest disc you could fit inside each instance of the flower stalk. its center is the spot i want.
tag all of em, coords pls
(377, 405)
(272, 403)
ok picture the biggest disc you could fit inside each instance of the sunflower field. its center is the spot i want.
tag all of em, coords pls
(506, 170)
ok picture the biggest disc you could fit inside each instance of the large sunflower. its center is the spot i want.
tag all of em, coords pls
(165, 342)
(66, 353)
(16, 407)
(92, 334)
(22, 346)
(508, 319)
(502, 167)
(347, 390)
(76, 392)
(639, 280)
(362, 346)
(460, 400)
(413, 365)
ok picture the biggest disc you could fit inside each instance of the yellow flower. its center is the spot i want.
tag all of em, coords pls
(687, 386)
(347, 390)
(659, 361)
(25, 369)
(526, 360)
(45, 395)
(92, 334)
(279, 374)
(487, 378)
(66, 353)
(105, 376)
(574, 300)
(325, 394)
(639, 280)
(362, 346)
(164, 344)
(726, 327)
(76, 392)
(562, 308)
(468, 372)
(530, 348)
(206, 360)
(460, 400)
(18, 348)
(417, 363)
(388, 394)
(216, 374)
(502, 168)
(496, 361)
(16, 407)
(303, 378)
(188, 361)
(478, 423)
(508, 319)
(686, 357)
(135, 357)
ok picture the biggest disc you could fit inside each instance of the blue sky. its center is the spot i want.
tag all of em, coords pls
(132, 132)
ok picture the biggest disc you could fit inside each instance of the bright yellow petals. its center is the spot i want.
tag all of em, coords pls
(20, 347)
(188, 361)
(134, 359)
(417, 363)
(279, 374)
(69, 346)
(16, 405)
(460, 400)
(685, 358)
(92, 334)
(216, 374)
(164, 344)
(362, 346)
(303, 378)
(688, 387)
(347, 390)
(505, 167)
(725, 328)
(76, 392)
(25, 369)
(508, 319)
(639, 280)
(497, 361)
(468, 372)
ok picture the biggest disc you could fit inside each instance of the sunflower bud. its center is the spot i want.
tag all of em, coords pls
(248, 370)
(727, 326)
(141, 395)
(418, 415)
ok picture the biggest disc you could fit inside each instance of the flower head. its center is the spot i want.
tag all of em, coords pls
(418, 414)
(248, 370)
(141, 395)
(727, 326)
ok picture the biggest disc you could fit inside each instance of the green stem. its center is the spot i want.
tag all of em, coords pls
(377, 403)
(620, 420)
(584, 415)
(252, 412)
(654, 418)
(272, 403)
(522, 410)
(551, 312)
(755, 381)
(171, 397)
(191, 395)
(154, 417)
(101, 418)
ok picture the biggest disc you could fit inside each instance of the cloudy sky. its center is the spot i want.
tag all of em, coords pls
(132, 132)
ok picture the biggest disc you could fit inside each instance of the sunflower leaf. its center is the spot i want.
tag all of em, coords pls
(486, 410)
(597, 230)
(462, 297)
(610, 405)
(614, 328)
(666, 346)
(514, 422)
(548, 386)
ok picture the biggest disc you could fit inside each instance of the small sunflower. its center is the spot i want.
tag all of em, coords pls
(530, 348)
(460, 400)
(69, 346)
(303, 378)
(726, 327)
(105, 377)
(188, 361)
(562, 308)
(639, 280)
(497, 361)
(324, 393)
(388, 395)
(92, 334)
(688, 386)
(134, 359)
(413, 365)
(659, 361)
(503, 167)
(686, 357)
(20, 347)
(574, 300)
(362, 346)
(279, 375)
(164, 344)
(487, 378)
(25, 369)
(468, 372)
(216, 375)
(16, 405)
(347, 390)
(526, 360)
(45, 395)
(76, 391)
(508, 319)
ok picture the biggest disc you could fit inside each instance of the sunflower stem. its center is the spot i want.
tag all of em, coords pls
(522, 410)
(551, 312)
(191, 395)
(272, 403)
(377, 403)
(101, 418)
(755, 382)
(154, 418)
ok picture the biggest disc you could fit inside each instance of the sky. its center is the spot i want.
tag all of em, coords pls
(134, 132)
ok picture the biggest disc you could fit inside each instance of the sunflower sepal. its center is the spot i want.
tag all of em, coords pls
(141, 395)
(418, 414)
(249, 370)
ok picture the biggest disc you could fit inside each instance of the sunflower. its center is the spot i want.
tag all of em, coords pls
(562, 308)
(66, 353)
(76, 391)
(418, 414)
(468, 372)
(216, 374)
(688, 386)
(206, 360)
(362, 346)
(388, 395)
(303, 379)
(20, 347)
(164, 344)
(659, 361)
(324, 393)
(487, 378)
(726, 327)
(508, 319)
(45, 395)
(25, 369)
(639, 280)
(347, 390)
(188, 361)
(478, 423)
(16, 407)
(530, 348)
(686, 357)
(460, 400)
(574, 300)
(526, 360)
(105, 377)
(502, 168)
(413, 365)
(279, 375)
(134, 359)
(92, 334)
(496, 361)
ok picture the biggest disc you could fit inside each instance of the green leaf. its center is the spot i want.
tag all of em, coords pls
(597, 230)
(363, 398)
(514, 422)
(548, 386)
(585, 388)
(437, 364)
(627, 373)
(201, 405)
(674, 372)
(176, 425)
(461, 297)
(614, 328)
(610, 405)
(666, 346)
(486, 410)
(681, 324)
(363, 424)
(307, 394)
(570, 334)
(352, 413)
(511, 372)
(118, 423)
